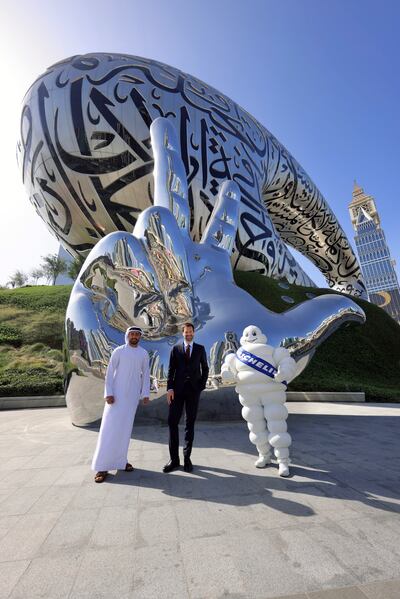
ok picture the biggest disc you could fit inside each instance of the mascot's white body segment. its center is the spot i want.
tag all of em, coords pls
(263, 397)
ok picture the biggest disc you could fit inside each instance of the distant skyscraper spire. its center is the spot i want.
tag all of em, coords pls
(376, 264)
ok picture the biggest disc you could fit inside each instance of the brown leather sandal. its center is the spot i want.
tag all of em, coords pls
(100, 477)
(129, 468)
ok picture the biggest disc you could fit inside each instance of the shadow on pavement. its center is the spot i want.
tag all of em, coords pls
(350, 458)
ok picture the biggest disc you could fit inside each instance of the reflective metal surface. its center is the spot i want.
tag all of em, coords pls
(87, 162)
(158, 278)
(287, 299)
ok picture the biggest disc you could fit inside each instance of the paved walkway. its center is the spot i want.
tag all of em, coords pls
(227, 530)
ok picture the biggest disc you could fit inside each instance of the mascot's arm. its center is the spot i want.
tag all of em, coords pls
(228, 370)
(286, 365)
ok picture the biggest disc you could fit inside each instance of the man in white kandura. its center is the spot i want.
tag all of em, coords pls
(261, 373)
(127, 381)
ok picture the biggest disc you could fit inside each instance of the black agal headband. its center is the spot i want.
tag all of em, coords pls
(137, 329)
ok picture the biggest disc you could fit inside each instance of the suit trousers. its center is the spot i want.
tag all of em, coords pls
(188, 398)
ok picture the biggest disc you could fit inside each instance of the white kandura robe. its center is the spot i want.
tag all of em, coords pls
(128, 380)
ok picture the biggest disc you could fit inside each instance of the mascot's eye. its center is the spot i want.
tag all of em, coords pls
(254, 333)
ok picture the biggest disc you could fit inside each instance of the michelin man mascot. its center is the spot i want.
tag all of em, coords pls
(261, 373)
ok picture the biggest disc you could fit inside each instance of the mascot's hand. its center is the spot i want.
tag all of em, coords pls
(280, 377)
(227, 376)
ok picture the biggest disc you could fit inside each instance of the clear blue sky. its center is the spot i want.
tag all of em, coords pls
(322, 76)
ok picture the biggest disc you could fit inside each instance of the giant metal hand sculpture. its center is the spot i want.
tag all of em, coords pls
(87, 165)
(158, 278)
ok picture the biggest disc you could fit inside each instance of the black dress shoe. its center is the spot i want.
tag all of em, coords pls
(172, 465)
(187, 466)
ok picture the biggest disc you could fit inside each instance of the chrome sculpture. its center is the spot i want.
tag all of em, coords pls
(87, 164)
(157, 278)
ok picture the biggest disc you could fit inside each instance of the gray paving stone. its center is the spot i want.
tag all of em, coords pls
(390, 589)
(44, 459)
(6, 523)
(4, 493)
(343, 593)
(270, 511)
(227, 529)
(44, 477)
(121, 494)
(54, 498)
(21, 500)
(50, 577)
(212, 483)
(73, 530)
(367, 561)
(73, 475)
(313, 561)
(159, 572)
(25, 538)
(266, 566)
(13, 463)
(157, 524)
(197, 520)
(323, 500)
(115, 525)
(90, 496)
(10, 573)
(379, 533)
(24, 450)
(218, 574)
(104, 573)
(161, 487)
(14, 479)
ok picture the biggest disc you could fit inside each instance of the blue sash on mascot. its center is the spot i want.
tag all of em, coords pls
(257, 363)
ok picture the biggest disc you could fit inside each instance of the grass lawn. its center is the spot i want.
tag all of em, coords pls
(31, 333)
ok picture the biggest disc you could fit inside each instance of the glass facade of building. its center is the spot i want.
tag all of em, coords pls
(375, 261)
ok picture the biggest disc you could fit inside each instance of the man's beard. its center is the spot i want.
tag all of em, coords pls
(133, 342)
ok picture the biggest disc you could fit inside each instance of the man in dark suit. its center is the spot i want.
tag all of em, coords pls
(187, 377)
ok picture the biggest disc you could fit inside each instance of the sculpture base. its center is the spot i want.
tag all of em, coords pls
(222, 405)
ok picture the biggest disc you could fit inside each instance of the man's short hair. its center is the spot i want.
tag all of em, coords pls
(188, 324)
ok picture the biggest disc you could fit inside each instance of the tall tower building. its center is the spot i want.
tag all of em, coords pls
(376, 264)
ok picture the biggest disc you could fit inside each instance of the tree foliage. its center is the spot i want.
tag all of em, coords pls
(75, 267)
(18, 279)
(52, 266)
(36, 274)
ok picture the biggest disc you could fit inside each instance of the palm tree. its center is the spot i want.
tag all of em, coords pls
(52, 266)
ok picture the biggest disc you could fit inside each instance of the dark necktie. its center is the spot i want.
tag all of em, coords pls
(187, 353)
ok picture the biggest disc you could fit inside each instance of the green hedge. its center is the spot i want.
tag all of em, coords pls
(10, 335)
(32, 381)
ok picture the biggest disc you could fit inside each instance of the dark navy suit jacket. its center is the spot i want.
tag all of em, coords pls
(179, 370)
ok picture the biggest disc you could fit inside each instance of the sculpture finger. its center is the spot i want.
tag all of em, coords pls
(158, 231)
(222, 226)
(170, 182)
